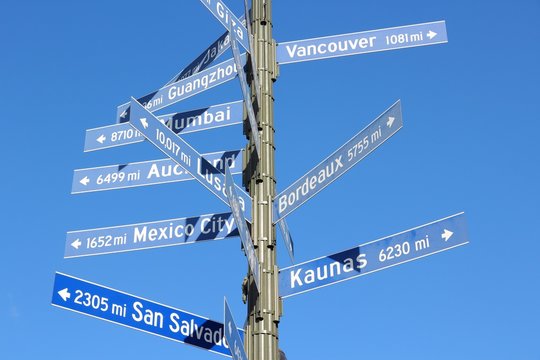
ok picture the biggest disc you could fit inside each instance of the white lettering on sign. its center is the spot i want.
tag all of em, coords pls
(192, 330)
(174, 230)
(330, 47)
(300, 276)
(165, 171)
(177, 124)
(310, 184)
(217, 181)
(225, 16)
(203, 82)
(149, 317)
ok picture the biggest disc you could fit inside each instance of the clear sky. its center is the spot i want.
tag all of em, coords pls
(469, 143)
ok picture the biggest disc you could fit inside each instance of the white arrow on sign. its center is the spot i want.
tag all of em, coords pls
(390, 121)
(64, 294)
(85, 180)
(144, 123)
(101, 139)
(76, 244)
(447, 234)
(431, 34)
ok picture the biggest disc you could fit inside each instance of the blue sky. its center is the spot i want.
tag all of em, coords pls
(468, 143)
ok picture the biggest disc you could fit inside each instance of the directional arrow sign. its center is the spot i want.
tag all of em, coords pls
(331, 168)
(184, 155)
(362, 42)
(204, 60)
(150, 235)
(183, 89)
(377, 255)
(232, 335)
(228, 19)
(245, 236)
(246, 94)
(146, 173)
(211, 117)
(214, 51)
(128, 310)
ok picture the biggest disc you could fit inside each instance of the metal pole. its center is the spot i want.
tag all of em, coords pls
(264, 309)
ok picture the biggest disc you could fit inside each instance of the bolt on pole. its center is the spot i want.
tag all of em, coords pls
(264, 308)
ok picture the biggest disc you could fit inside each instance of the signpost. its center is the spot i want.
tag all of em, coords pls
(146, 173)
(183, 154)
(261, 207)
(181, 123)
(243, 231)
(98, 301)
(149, 235)
(339, 162)
(232, 335)
(409, 245)
(362, 42)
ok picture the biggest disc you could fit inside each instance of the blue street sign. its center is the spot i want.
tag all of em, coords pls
(232, 335)
(148, 316)
(243, 231)
(287, 238)
(183, 89)
(246, 94)
(413, 244)
(227, 18)
(149, 235)
(362, 42)
(211, 117)
(343, 159)
(146, 173)
(183, 154)
(215, 50)
(207, 57)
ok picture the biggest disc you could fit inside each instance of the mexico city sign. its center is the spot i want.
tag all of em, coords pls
(150, 235)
